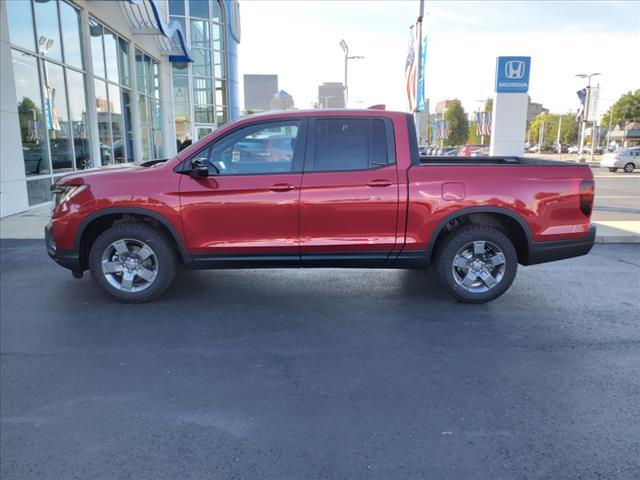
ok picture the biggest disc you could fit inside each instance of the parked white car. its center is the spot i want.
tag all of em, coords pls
(627, 158)
(573, 149)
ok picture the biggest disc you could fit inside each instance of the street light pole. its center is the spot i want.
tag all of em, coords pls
(345, 49)
(586, 113)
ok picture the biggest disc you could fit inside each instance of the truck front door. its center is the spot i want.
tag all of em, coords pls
(247, 207)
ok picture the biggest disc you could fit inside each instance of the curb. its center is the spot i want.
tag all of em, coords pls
(619, 239)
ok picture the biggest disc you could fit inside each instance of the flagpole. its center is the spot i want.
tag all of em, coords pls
(419, 36)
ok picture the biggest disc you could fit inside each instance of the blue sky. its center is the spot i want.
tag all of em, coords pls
(298, 40)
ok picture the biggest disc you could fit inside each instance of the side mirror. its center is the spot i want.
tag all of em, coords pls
(199, 168)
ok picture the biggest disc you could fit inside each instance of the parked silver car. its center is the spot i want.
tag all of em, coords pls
(627, 158)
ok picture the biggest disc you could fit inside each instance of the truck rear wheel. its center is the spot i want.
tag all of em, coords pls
(476, 264)
(133, 262)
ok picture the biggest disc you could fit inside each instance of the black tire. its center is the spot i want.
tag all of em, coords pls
(161, 246)
(612, 169)
(629, 167)
(454, 242)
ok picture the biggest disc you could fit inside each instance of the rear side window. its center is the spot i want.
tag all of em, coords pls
(342, 144)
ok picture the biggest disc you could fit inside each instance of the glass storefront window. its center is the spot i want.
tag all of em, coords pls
(201, 62)
(217, 36)
(221, 92)
(203, 113)
(97, 53)
(113, 98)
(149, 107)
(202, 91)
(31, 114)
(48, 29)
(218, 64)
(79, 120)
(70, 21)
(199, 8)
(195, 99)
(39, 191)
(59, 127)
(111, 56)
(20, 20)
(176, 7)
(117, 125)
(221, 115)
(126, 108)
(200, 34)
(123, 57)
(216, 14)
(104, 124)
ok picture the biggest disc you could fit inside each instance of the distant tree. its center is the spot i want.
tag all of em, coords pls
(568, 130)
(626, 108)
(458, 124)
(488, 105)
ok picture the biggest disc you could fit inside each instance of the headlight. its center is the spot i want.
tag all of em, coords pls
(62, 193)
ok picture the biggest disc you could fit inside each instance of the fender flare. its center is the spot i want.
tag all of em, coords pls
(186, 256)
(471, 210)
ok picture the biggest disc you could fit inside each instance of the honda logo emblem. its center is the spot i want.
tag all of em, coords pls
(514, 69)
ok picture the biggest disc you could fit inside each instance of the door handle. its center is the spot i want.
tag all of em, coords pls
(281, 187)
(379, 183)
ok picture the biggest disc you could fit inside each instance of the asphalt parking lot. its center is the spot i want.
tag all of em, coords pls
(323, 374)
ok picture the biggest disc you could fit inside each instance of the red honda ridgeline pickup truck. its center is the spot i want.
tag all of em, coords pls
(320, 188)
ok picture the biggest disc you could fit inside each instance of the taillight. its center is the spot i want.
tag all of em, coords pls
(587, 190)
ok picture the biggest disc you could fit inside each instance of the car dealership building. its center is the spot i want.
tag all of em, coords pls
(89, 83)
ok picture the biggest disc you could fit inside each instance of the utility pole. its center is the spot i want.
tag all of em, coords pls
(585, 113)
(541, 136)
(558, 145)
(609, 130)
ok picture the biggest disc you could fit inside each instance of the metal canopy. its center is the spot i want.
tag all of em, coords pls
(146, 18)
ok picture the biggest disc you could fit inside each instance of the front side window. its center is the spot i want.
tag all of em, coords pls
(343, 144)
(257, 149)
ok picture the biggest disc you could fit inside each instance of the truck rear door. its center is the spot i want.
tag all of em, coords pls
(349, 192)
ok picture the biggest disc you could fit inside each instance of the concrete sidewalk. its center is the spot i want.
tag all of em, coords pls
(30, 225)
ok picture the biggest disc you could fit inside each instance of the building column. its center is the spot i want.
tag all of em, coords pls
(13, 186)
(90, 90)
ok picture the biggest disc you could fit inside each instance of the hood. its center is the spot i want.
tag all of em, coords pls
(85, 176)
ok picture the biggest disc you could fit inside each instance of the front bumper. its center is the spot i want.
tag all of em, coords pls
(542, 252)
(66, 258)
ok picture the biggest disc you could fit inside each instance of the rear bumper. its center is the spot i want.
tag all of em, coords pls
(66, 258)
(541, 252)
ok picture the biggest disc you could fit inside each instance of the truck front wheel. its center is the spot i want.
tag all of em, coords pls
(476, 263)
(133, 262)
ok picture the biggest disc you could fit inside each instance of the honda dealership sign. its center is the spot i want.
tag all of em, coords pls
(512, 74)
(509, 115)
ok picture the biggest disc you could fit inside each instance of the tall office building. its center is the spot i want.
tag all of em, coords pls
(331, 95)
(258, 91)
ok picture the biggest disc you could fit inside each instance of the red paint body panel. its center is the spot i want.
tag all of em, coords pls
(547, 198)
(341, 213)
(240, 214)
(325, 212)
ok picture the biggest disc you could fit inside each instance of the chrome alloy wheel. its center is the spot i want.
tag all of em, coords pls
(129, 265)
(479, 266)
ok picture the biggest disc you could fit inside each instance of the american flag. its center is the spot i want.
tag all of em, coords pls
(483, 123)
(582, 96)
(411, 67)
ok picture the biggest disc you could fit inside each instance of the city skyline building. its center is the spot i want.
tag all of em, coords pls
(259, 90)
